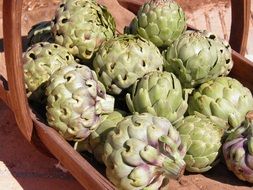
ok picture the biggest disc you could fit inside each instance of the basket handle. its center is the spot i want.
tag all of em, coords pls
(240, 25)
(15, 96)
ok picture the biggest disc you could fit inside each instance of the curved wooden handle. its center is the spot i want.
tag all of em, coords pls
(13, 51)
(13, 55)
(240, 25)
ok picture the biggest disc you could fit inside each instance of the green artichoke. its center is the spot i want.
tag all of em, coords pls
(81, 26)
(158, 93)
(40, 32)
(197, 57)
(142, 152)
(40, 62)
(223, 97)
(122, 60)
(95, 142)
(225, 52)
(160, 21)
(238, 150)
(75, 102)
(202, 136)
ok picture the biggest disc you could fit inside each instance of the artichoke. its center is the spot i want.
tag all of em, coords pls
(202, 136)
(81, 26)
(223, 97)
(224, 50)
(40, 32)
(238, 150)
(75, 102)
(95, 142)
(40, 62)
(197, 57)
(122, 60)
(158, 93)
(142, 152)
(160, 21)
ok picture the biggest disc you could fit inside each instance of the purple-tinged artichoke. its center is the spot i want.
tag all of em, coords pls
(238, 150)
(75, 101)
(143, 152)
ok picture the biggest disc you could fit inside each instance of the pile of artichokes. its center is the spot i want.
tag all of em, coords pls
(182, 108)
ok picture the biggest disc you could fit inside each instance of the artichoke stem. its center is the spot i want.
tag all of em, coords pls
(174, 165)
(81, 146)
(174, 168)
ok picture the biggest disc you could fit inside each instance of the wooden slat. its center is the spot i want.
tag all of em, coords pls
(240, 25)
(85, 173)
(242, 70)
(250, 37)
(13, 56)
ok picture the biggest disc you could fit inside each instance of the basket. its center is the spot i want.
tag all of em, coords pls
(12, 90)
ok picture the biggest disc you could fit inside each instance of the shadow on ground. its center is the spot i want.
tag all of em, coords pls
(30, 168)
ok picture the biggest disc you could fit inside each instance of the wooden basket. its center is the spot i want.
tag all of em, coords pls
(12, 91)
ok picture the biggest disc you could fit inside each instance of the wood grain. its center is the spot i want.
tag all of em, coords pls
(12, 10)
(240, 25)
(82, 170)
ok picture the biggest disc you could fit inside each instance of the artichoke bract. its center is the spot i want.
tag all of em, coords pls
(95, 142)
(122, 60)
(160, 21)
(238, 150)
(224, 50)
(197, 57)
(143, 152)
(81, 26)
(75, 102)
(158, 93)
(223, 97)
(40, 61)
(202, 137)
(41, 32)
